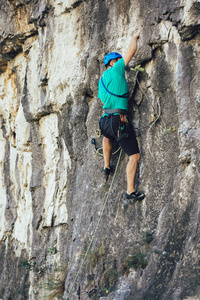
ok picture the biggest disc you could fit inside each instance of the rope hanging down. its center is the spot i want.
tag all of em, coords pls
(97, 226)
(98, 149)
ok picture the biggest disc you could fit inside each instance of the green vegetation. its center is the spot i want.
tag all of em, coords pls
(137, 69)
(137, 261)
(29, 264)
(55, 287)
(146, 237)
(52, 250)
(55, 284)
(169, 130)
(108, 280)
(32, 266)
(94, 256)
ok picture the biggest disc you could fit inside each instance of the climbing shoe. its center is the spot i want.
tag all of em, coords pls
(107, 172)
(135, 196)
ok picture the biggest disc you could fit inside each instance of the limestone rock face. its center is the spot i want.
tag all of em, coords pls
(51, 184)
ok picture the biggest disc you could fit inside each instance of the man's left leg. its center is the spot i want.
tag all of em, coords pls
(107, 149)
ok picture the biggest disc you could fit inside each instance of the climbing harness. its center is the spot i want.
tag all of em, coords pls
(97, 226)
(120, 96)
(122, 132)
(115, 111)
(124, 123)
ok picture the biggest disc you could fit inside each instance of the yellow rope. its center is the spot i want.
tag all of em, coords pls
(85, 256)
(98, 151)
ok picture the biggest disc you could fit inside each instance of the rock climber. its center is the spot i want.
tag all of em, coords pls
(115, 124)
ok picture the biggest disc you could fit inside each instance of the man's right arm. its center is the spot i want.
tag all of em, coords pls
(131, 48)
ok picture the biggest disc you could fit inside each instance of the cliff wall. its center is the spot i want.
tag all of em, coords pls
(51, 185)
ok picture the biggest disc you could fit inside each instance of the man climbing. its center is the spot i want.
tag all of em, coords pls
(115, 123)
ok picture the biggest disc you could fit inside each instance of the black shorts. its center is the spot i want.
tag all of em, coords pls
(109, 126)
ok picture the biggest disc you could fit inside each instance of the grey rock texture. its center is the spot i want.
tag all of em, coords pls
(51, 185)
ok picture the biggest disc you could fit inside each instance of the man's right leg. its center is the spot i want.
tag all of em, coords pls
(107, 149)
(130, 145)
(131, 171)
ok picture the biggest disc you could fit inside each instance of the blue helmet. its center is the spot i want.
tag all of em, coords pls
(109, 56)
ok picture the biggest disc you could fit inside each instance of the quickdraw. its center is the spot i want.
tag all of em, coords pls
(99, 150)
(123, 131)
(96, 148)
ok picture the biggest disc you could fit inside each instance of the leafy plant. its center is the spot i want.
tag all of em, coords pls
(136, 261)
(55, 284)
(32, 266)
(147, 237)
(108, 280)
(52, 250)
(111, 277)
(137, 69)
(169, 130)
(29, 264)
